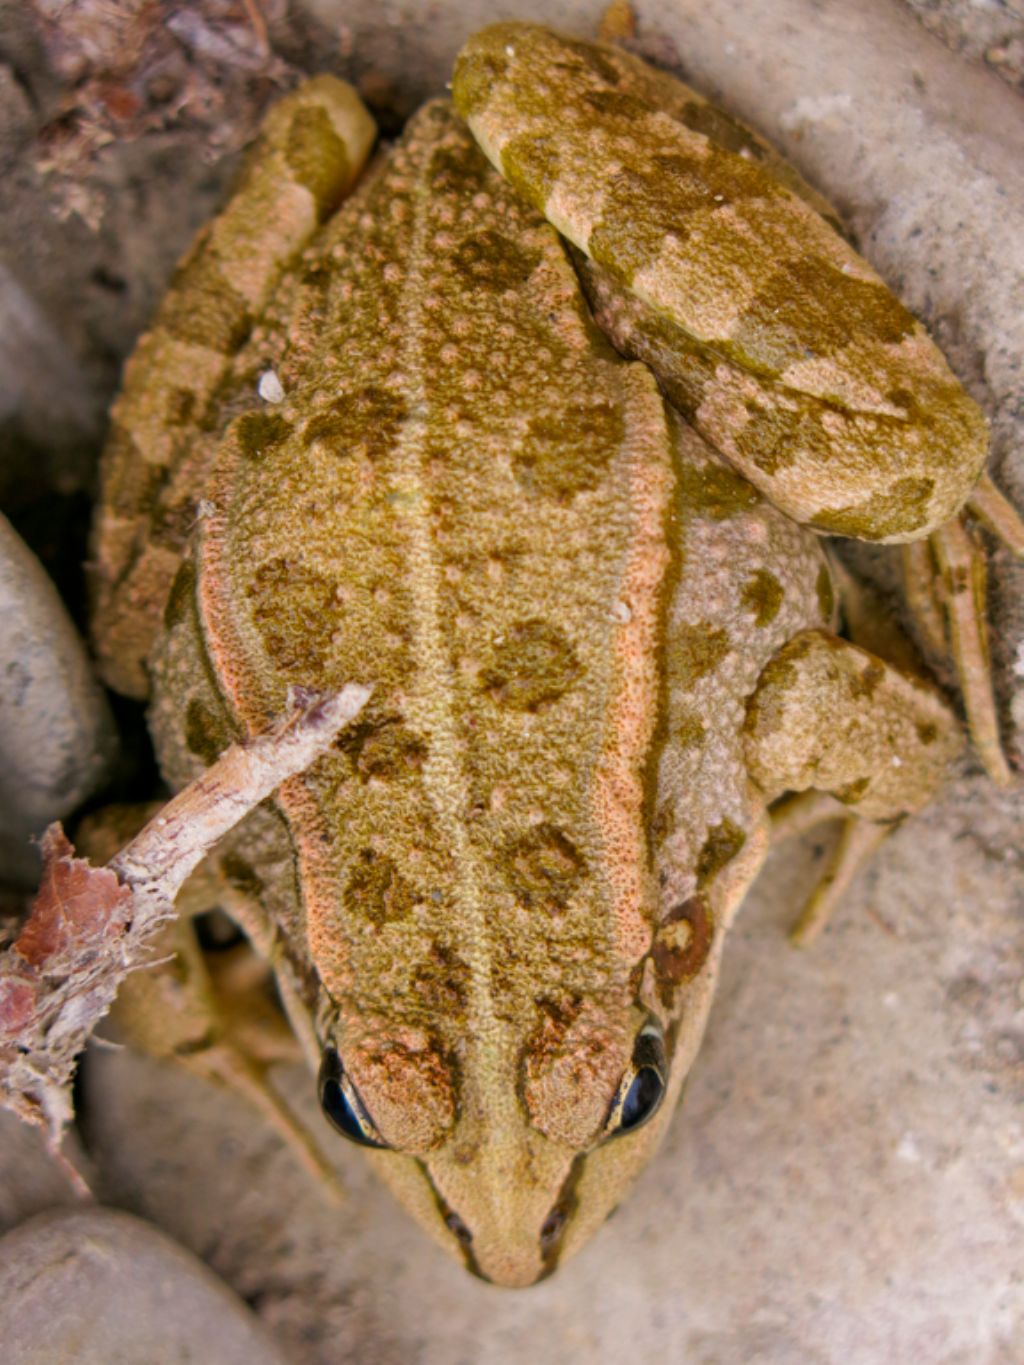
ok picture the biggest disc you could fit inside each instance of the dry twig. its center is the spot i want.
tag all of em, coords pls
(90, 926)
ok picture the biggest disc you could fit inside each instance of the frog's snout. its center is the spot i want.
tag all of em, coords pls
(520, 1218)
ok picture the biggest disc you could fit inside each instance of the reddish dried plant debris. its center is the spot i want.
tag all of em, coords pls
(18, 1000)
(78, 908)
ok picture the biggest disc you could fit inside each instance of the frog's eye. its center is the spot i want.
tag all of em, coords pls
(340, 1101)
(642, 1088)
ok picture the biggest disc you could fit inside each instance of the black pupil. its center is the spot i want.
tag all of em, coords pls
(341, 1113)
(642, 1099)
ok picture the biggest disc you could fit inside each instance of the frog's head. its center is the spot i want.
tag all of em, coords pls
(510, 1156)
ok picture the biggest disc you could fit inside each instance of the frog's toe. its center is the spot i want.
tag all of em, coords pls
(945, 581)
(858, 842)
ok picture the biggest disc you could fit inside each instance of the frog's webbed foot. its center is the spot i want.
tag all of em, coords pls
(945, 579)
(858, 739)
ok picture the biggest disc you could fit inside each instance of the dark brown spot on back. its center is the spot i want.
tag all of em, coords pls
(206, 734)
(296, 612)
(533, 664)
(376, 889)
(491, 260)
(180, 598)
(544, 867)
(692, 651)
(762, 596)
(389, 750)
(367, 421)
(722, 844)
(260, 432)
(564, 455)
(716, 491)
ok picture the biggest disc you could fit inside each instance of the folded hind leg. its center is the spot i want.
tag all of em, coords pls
(862, 740)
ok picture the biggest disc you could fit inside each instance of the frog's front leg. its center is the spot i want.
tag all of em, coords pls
(309, 154)
(833, 720)
(212, 1011)
(210, 1008)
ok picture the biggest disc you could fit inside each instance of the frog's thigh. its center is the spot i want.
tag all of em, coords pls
(828, 717)
(311, 149)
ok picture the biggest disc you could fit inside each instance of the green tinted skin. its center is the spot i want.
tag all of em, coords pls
(594, 647)
(706, 259)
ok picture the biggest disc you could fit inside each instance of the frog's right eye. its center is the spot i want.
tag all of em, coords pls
(642, 1088)
(340, 1101)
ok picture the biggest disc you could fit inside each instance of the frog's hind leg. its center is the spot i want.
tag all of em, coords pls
(310, 151)
(858, 739)
(946, 589)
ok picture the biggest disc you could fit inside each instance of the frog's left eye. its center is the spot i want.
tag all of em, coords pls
(643, 1086)
(340, 1101)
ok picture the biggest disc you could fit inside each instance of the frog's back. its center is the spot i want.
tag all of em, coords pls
(463, 499)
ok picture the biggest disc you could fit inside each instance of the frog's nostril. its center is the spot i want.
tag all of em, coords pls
(552, 1228)
(458, 1227)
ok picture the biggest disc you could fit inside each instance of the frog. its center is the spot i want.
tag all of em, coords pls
(605, 663)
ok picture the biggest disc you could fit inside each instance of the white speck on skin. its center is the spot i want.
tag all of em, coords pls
(622, 611)
(897, 762)
(1018, 663)
(269, 387)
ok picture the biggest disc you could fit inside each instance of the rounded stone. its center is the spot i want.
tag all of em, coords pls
(103, 1288)
(57, 737)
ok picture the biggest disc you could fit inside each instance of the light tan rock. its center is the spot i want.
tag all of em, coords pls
(102, 1288)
